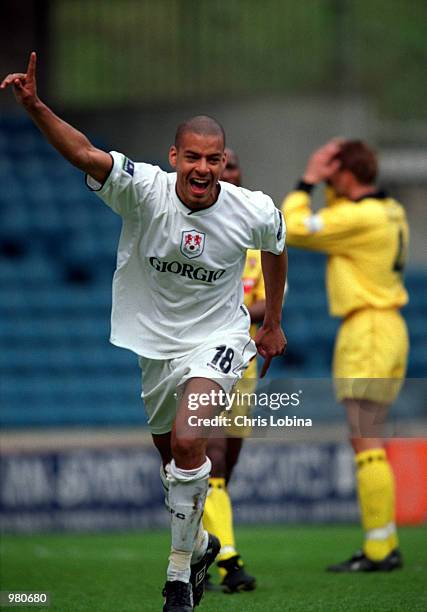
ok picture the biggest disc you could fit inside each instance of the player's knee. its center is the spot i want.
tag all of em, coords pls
(188, 453)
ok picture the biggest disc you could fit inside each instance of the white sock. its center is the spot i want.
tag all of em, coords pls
(179, 566)
(187, 494)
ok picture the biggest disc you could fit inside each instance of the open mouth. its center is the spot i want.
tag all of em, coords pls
(199, 186)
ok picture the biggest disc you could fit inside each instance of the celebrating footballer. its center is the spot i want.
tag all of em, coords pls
(178, 299)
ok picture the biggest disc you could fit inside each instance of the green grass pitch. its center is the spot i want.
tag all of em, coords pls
(124, 572)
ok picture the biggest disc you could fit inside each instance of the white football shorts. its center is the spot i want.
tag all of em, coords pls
(222, 360)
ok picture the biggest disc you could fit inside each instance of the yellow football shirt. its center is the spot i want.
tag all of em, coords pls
(366, 242)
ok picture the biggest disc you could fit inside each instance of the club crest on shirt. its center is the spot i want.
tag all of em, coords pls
(192, 243)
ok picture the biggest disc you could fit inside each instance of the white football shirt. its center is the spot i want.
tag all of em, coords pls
(178, 276)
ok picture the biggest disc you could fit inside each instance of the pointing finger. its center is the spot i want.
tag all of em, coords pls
(31, 68)
(265, 366)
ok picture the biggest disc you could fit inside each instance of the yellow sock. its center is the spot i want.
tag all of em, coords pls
(375, 487)
(218, 517)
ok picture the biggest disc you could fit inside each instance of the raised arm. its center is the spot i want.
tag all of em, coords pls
(72, 144)
(270, 339)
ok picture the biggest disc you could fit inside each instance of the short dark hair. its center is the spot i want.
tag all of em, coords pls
(200, 124)
(359, 159)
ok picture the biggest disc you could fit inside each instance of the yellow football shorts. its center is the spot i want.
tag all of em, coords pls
(370, 356)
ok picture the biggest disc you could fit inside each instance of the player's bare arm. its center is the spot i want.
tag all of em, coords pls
(270, 339)
(71, 144)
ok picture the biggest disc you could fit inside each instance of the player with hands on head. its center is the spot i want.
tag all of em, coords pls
(365, 233)
(177, 300)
